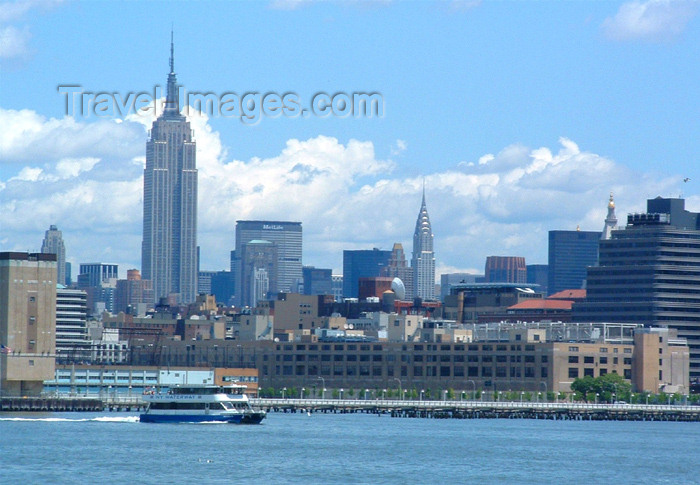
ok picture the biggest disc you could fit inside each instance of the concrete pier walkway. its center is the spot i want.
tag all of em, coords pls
(487, 409)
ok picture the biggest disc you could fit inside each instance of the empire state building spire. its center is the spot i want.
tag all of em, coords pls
(171, 109)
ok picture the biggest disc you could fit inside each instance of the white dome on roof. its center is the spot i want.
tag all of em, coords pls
(399, 288)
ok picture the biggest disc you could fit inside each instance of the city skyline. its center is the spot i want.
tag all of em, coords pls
(534, 137)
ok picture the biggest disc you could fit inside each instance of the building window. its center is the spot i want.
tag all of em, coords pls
(573, 349)
(628, 373)
(603, 350)
(543, 372)
(31, 363)
(661, 375)
(473, 371)
(603, 372)
(588, 372)
(661, 361)
(661, 351)
(614, 360)
(628, 350)
(603, 360)
(573, 359)
(627, 361)
(573, 372)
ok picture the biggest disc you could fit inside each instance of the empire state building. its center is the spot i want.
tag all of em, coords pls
(169, 249)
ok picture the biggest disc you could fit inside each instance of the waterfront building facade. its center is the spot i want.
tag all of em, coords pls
(649, 273)
(571, 253)
(53, 244)
(27, 321)
(169, 248)
(423, 261)
(542, 357)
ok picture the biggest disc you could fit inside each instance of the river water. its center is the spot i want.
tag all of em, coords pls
(344, 448)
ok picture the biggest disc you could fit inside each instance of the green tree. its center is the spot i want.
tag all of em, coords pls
(584, 386)
(450, 394)
(614, 384)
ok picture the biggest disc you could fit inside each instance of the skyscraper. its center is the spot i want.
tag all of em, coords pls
(286, 237)
(570, 254)
(169, 250)
(423, 262)
(649, 272)
(53, 244)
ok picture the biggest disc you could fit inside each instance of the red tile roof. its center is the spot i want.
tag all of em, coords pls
(568, 295)
(540, 304)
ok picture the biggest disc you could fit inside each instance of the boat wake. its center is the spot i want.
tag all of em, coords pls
(103, 419)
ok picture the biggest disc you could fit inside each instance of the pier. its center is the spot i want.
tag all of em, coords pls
(486, 409)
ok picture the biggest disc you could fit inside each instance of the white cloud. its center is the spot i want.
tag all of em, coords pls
(653, 20)
(14, 40)
(346, 198)
(398, 148)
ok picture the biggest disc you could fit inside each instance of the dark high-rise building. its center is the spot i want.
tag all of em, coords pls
(317, 281)
(217, 283)
(538, 274)
(570, 254)
(168, 253)
(649, 272)
(286, 237)
(53, 244)
(361, 263)
(505, 269)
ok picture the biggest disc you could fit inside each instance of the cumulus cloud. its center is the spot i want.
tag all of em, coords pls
(653, 20)
(346, 197)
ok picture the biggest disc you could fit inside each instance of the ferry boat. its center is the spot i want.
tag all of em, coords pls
(192, 403)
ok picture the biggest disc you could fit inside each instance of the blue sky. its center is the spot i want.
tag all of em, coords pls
(521, 116)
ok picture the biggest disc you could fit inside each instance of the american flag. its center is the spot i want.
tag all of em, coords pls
(4, 349)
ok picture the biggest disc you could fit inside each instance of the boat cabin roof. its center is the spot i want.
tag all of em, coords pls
(207, 389)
